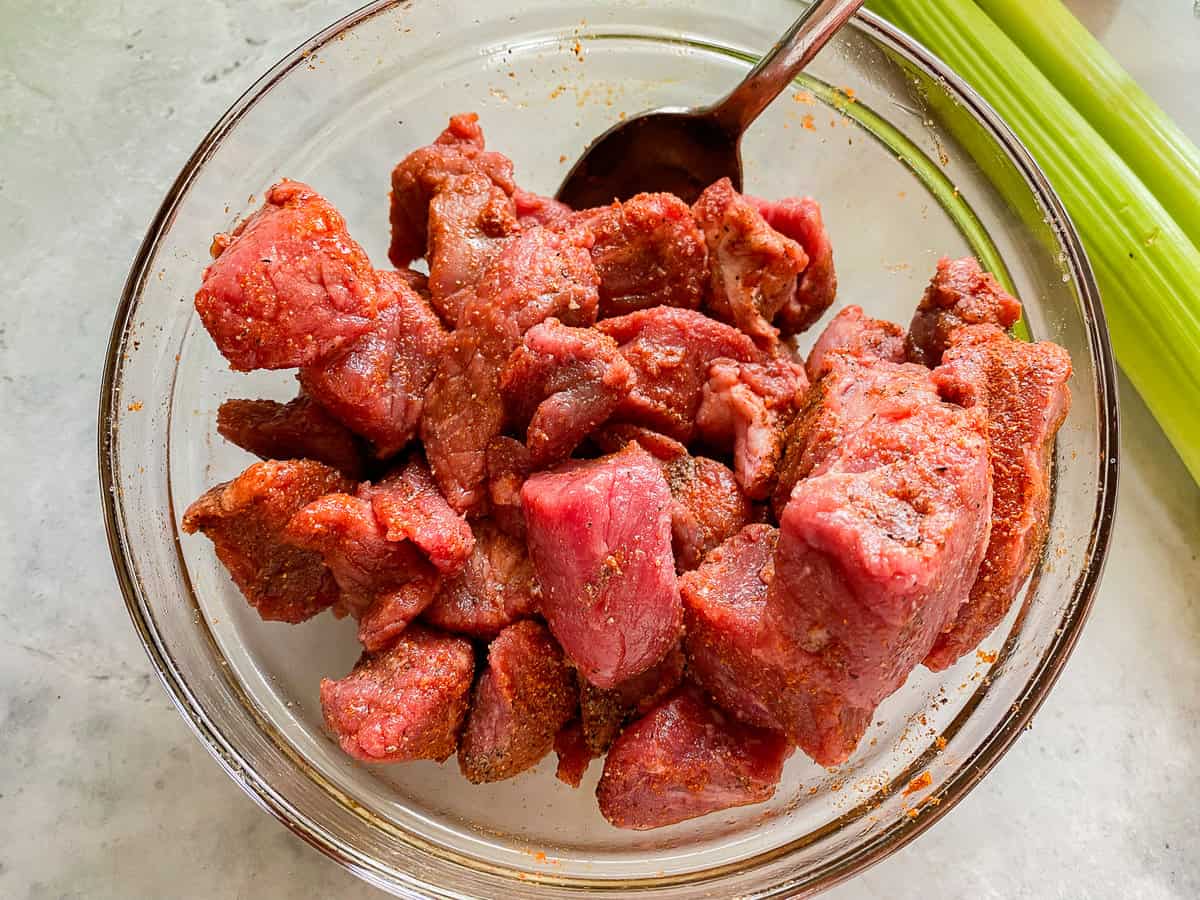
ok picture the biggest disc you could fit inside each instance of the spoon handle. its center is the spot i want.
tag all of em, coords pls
(775, 71)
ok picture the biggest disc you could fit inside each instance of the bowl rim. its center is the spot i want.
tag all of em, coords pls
(891, 839)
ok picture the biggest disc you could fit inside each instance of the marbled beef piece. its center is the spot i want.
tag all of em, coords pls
(496, 587)
(602, 711)
(376, 385)
(297, 430)
(560, 384)
(540, 274)
(574, 755)
(458, 150)
(851, 331)
(961, 293)
(600, 540)
(525, 695)
(799, 218)
(670, 351)
(405, 703)
(686, 758)
(508, 465)
(534, 209)
(752, 267)
(246, 518)
(289, 286)
(408, 507)
(747, 407)
(470, 221)
(1024, 389)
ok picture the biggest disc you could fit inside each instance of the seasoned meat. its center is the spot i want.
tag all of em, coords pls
(799, 218)
(600, 540)
(246, 518)
(297, 430)
(602, 711)
(539, 274)
(746, 407)
(670, 351)
(288, 286)
(495, 589)
(686, 758)
(508, 466)
(1024, 389)
(457, 151)
(574, 757)
(525, 695)
(534, 209)
(961, 293)
(851, 331)
(376, 385)
(405, 703)
(560, 384)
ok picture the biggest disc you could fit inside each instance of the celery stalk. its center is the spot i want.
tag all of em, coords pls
(1147, 268)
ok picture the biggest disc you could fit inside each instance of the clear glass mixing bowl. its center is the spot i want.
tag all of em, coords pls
(909, 165)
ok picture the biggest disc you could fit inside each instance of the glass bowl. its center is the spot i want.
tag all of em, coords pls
(909, 165)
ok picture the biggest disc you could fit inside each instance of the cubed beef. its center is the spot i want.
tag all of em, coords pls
(495, 588)
(539, 274)
(525, 695)
(746, 407)
(297, 430)
(574, 755)
(686, 758)
(602, 711)
(405, 703)
(534, 209)
(409, 507)
(852, 331)
(799, 218)
(961, 293)
(600, 540)
(246, 518)
(1024, 389)
(752, 267)
(288, 286)
(457, 151)
(560, 384)
(377, 384)
(508, 466)
(670, 351)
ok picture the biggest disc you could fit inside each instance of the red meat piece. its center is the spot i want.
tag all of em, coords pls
(560, 384)
(495, 588)
(405, 703)
(853, 332)
(540, 274)
(534, 209)
(602, 711)
(747, 407)
(526, 694)
(753, 268)
(288, 286)
(245, 519)
(670, 351)
(377, 384)
(686, 758)
(961, 293)
(573, 753)
(458, 150)
(799, 218)
(600, 540)
(508, 466)
(297, 430)
(1024, 389)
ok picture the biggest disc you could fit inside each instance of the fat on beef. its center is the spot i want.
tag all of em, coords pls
(852, 331)
(288, 286)
(961, 293)
(246, 519)
(600, 541)
(297, 430)
(603, 711)
(799, 218)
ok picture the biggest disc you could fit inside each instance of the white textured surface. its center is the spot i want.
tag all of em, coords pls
(105, 793)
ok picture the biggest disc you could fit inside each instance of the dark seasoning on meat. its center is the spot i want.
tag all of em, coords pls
(579, 493)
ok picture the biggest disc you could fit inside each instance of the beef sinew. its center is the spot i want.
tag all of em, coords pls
(1024, 389)
(852, 331)
(961, 293)
(297, 430)
(799, 218)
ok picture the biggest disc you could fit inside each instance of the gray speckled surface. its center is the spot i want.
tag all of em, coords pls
(105, 793)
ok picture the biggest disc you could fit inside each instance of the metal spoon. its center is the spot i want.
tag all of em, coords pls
(684, 150)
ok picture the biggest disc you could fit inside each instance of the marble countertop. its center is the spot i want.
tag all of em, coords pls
(103, 790)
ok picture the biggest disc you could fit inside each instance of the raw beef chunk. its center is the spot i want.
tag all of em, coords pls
(961, 293)
(534, 209)
(525, 695)
(508, 466)
(246, 518)
(799, 218)
(686, 758)
(288, 286)
(560, 384)
(405, 703)
(297, 430)
(573, 753)
(851, 331)
(603, 711)
(600, 540)
(1024, 389)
